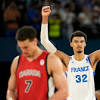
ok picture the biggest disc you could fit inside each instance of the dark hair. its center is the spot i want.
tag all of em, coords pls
(26, 32)
(78, 34)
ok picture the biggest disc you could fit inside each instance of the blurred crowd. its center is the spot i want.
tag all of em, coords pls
(66, 16)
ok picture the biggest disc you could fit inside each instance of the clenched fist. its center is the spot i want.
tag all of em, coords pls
(46, 11)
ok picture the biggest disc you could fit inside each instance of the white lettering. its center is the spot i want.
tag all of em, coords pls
(29, 72)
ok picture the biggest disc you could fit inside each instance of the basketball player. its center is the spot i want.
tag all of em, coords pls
(79, 67)
(31, 70)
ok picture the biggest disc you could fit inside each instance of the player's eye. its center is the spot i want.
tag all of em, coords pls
(75, 41)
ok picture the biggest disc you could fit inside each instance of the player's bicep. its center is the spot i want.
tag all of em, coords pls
(58, 73)
(12, 83)
(12, 79)
(60, 80)
(98, 54)
(95, 56)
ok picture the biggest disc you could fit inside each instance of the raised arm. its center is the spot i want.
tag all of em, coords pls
(45, 40)
(95, 58)
(11, 91)
(55, 68)
(44, 31)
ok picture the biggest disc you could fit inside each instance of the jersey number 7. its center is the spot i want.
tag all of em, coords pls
(29, 84)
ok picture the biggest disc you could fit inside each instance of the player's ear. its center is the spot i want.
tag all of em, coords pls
(85, 45)
(35, 41)
(71, 44)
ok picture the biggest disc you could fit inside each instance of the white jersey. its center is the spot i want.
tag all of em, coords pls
(80, 79)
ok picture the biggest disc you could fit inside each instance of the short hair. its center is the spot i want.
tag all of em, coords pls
(26, 32)
(78, 34)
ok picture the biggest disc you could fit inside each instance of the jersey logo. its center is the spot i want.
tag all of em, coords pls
(42, 62)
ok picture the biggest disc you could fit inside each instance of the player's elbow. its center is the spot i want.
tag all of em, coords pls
(44, 42)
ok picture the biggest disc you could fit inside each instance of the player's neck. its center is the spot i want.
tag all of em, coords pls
(79, 56)
(35, 55)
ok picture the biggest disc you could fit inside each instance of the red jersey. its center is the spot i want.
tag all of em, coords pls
(32, 78)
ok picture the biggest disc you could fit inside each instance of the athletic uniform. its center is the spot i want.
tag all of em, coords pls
(32, 78)
(80, 79)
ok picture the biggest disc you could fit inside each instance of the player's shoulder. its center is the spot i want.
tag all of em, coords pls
(53, 57)
(54, 63)
(54, 60)
(15, 61)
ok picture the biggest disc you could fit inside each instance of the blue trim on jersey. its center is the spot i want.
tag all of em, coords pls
(89, 60)
(91, 65)
(66, 74)
(93, 73)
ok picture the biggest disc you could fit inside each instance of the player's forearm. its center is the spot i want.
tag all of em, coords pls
(60, 95)
(44, 19)
(45, 40)
(11, 95)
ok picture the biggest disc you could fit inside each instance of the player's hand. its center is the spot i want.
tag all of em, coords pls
(98, 95)
(46, 11)
(10, 98)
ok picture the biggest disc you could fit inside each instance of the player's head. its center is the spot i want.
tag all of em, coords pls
(78, 41)
(26, 39)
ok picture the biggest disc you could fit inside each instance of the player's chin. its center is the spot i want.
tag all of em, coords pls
(79, 51)
(26, 55)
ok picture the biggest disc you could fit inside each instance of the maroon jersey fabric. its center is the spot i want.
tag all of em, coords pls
(32, 78)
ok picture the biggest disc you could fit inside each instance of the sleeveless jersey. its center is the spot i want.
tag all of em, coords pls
(80, 79)
(32, 78)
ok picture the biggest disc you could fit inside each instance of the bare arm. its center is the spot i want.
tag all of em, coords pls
(95, 57)
(55, 68)
(11, 91)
